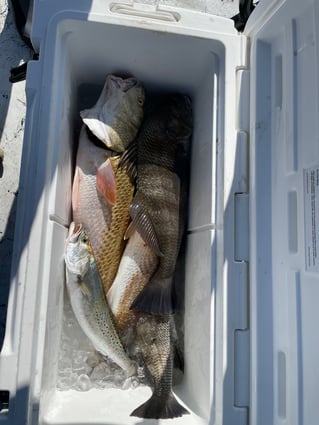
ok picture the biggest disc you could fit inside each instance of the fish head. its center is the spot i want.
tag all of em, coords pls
(118, 113)
(78, 250)
(179, 125)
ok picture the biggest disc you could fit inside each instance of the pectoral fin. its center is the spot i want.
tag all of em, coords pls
(76, 190)
(85, 289)
(129, 160)
(143, 224)
(105, 181)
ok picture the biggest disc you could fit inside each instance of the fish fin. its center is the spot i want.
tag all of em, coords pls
(157, 408)
(155, 298)
(129, 231)
(96, 126)
(129, 160)
(143, 224)
(105, 181)
(76, 189)
(85, 289)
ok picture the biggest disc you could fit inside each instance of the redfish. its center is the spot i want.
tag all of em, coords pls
(138, 264)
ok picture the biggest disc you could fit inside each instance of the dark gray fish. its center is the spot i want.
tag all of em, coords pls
(155, 209)
(155, 342)
(118, 112)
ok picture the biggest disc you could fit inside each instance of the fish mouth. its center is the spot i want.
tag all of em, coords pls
(74, 232)
(124, 84)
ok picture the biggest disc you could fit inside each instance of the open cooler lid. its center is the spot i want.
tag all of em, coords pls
(284, 211)
(165, 11)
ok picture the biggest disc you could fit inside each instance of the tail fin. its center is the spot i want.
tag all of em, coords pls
(155, 298)
(159, 408)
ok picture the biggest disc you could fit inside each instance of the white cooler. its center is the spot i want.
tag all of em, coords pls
(252, 283)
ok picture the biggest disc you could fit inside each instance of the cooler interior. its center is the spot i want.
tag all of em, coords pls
(82, 54)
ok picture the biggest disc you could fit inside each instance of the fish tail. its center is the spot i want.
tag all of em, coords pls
(155, 298)
(157, 408)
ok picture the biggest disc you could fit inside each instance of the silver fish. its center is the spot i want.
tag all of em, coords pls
(88, 301)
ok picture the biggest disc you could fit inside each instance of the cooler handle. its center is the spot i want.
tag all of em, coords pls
(145, 11)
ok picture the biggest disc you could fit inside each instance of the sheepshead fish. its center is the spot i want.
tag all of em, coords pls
(118, 113)
(101, 196)
(155, 210)
(154, 339)
(88, 300)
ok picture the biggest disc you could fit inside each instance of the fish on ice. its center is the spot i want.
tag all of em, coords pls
(88, 300)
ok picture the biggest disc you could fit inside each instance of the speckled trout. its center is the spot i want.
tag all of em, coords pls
(88, 300)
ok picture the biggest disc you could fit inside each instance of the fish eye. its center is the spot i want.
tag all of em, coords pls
(85, 238)
(140, 101)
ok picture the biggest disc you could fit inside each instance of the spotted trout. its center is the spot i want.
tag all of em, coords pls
(118, 112)
(155, 209)
(88, 300)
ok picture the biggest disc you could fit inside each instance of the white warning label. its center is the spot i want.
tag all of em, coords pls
(311, 201)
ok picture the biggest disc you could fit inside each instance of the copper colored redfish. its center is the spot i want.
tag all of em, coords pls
(113, 243)
(101, 197)
(137, 265)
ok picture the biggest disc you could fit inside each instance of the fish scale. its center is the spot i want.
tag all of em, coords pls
(110, 251)
(155, 210)
(154, 339)
(101, 194)
(151, 337)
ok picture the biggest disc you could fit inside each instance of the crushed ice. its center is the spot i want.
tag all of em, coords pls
(80, 367)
